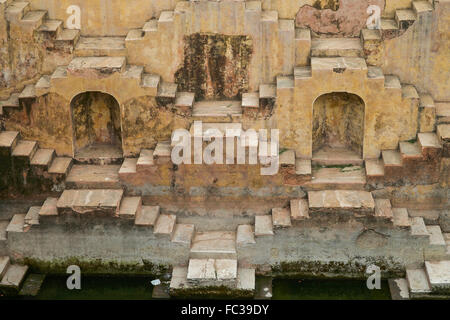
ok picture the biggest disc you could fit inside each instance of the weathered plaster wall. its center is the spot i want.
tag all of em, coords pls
(422, 54)
(46, 120)
(388, 118)
(116, 17)
(144, 123)
(5, 72)
(346, 19)
(308, 248)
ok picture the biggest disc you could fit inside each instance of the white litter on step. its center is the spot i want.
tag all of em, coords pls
(266, 289)
(156, 282)
(268, 295)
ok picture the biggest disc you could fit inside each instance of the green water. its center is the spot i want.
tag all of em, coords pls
(140, 288)
(289, 289)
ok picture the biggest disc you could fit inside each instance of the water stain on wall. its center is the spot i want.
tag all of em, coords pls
(215, 66)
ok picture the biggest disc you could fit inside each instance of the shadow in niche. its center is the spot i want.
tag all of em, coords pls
(96, 127)
(338, 127)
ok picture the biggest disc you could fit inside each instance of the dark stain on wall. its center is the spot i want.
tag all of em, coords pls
(215, 66)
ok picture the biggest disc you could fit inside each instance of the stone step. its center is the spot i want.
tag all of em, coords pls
(392, 158)
(399, 289)
(147, 216)
(16, 10)
(410, 150)
(427, 113)
(443, 133)
(245, 235)
(267, 91)
(417, 282)
(96, 66)
(401, 218)
(437, 248)
(94, 177)
(151, 81)
(9, 139)
(422, 6)
(299, 209)
(392, 82)
(443, 112)
(371, 36)
(214, 244)
(183, 234)
(99, 201)
(184, 101)
(4, 264)
(263, 226)
(336, 156)
(61, 166)
(389, 28)
(165, 225)
(32, 285)
(213, 272)
(287, 159)
(336, 47)
(302, 73)
(430, 216)
(429, 140)
(383, 209)
(31, 218)
(11, 103)
(303, 167)
(404, 18)
(250, 102)
(130, 207)
(212, 111)
(133, 72)
(338, 64)
(346, 178)
(281, 218)
(101, 47)
(337, 200)
(3, 234)
(128, 166)
(167, 91)
(409, 92)
(52, 27)
(68, 37)
(418, 228)
(145, 160)
(43, 158)
(438, 273)
(375, 73)
(25, 149)
(13, 278)
(162, 153)
(49, 208)
(17, 223)
(285, 82)
(244, 286)
(43, 85)
(33, 19)
(374, 168)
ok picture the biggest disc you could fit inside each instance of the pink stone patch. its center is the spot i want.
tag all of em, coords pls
(347, 21)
